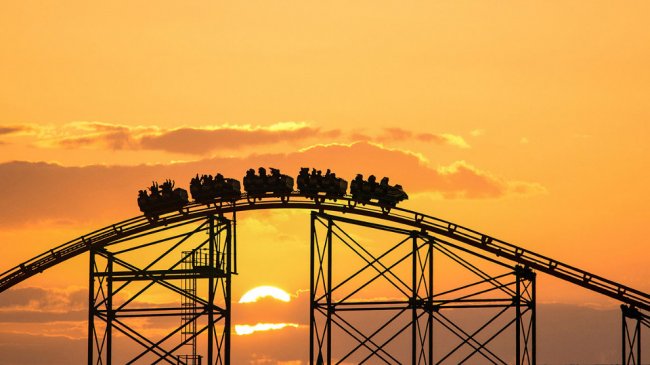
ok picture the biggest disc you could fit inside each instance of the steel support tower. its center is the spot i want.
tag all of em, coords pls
(351, 322)
(126, 277)
(633, 321)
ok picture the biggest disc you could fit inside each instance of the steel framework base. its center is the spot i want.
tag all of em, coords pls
(407, 326)
(193, 263)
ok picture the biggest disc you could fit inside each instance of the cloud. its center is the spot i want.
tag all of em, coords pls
(199, 141)
(457, 180)
(24, 349)
(247, 329)
(185, 140)
(463, 180)
(32, 306)
(35, 300)
(398, 134)
(35, 192)
(112, 136)
(210, 138)
(13, 129)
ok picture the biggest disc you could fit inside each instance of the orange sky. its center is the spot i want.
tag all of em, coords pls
(528, 121)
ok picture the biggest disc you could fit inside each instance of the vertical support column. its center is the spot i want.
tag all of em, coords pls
(518, 321)
(430, 299)
(109, 309)
(312, 292)
(414, 299)
(533, 318)
(631, 335)
(234, 241)
(228, 253)
(211, 266)
(330, 308)
(91, 306)
(320, 296)
(525, 316)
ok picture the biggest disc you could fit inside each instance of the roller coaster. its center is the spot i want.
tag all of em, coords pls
(635, 303)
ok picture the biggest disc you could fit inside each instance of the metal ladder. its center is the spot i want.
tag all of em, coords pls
(189, 309)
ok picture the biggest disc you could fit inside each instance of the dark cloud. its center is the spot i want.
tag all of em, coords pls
(198, 141)
(203, 140)
(357, 136)
(25, 316)
(41, 191)
(195, 141)
(396, 134)
(113, 139)
(34, 349)
(39, 300)
(209, 139)
(399, 134)
(21, 297)
(13, 129)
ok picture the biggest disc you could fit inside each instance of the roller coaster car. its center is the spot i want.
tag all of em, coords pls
(387, 196)
(162, 199)
(275, 183)
(314, 184)
(206, 189)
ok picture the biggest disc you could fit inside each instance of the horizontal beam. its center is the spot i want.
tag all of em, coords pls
(157, 275)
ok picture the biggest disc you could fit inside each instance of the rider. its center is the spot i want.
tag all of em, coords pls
(155, 193)
(372, 183)
(167, 187)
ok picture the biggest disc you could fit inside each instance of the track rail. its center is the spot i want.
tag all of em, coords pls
(420, 221)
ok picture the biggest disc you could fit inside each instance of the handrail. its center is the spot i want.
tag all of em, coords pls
(123, 229)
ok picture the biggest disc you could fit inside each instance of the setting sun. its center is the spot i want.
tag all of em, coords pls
(264, 291)
(247, 329)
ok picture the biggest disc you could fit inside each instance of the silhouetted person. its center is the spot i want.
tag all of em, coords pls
(166, 188)
(155, 193)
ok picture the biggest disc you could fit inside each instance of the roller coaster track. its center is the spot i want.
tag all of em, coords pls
(419, 221)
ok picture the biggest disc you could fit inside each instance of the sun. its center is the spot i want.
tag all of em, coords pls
(264, 291)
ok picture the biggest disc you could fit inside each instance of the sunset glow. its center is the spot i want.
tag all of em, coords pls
(265, 291)
(244, 329)
(526, 121)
